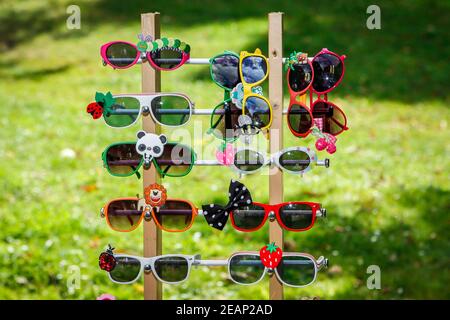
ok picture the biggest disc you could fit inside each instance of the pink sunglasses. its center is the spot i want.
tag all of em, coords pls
(163, 54)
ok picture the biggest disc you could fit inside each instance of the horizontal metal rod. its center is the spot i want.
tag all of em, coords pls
(199, 61)
(324, 162)
(195, 111)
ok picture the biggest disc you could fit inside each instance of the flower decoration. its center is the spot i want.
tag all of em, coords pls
(237, 94)
(102, 103)
(270, 255)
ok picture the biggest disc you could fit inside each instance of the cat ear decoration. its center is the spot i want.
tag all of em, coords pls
(217, 215)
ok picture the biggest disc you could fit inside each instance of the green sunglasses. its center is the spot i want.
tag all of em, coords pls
(121, 159)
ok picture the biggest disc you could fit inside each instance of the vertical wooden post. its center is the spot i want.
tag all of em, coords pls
(276, 132)
(151, 82)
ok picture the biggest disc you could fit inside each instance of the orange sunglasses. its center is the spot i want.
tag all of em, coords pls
(125, 214)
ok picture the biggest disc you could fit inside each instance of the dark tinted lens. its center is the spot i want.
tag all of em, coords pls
(123, 159)
(300, 77)
(296, 215)
(123, 215)
(176, 161)
(224, 120)
(248, 160)
(299, 119)
(254, 69)
(296, 270)
(294, 160)
(171, 110)
(172, 269)
(225, 70)
(123, 112)
(327, 72)
(249, 217)
(121, 54)
(259, 111)
(127, 269)
(174, 215)
(166, 58)
(331, 119)
(246, 269)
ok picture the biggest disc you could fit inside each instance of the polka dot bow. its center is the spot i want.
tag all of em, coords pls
(217, 215)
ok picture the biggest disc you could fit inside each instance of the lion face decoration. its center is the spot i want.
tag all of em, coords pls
(150, 145)
(155, 195)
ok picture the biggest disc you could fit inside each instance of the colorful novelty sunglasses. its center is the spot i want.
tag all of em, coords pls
(167, 109)
(295, 160)
(126, 214)
(292, 216)
(162, 54)
(245, 268)
(122, 159)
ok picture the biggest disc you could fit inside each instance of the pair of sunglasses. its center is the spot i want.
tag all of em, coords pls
(126, 214)
(167, 109)
(295, 160)
(165, 54)
(245, 268)
(227, 70)
(292, 216)
(320, 76)
(122, 159)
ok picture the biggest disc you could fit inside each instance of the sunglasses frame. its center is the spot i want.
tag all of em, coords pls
(318, 264)
(151, 262)
(143, 205)
(274, 159)
(341, 58)
(248, 87)
(269, 209)
(141, 97)
(343, 127)
(155, 163)
(139, 55)
(225, 53)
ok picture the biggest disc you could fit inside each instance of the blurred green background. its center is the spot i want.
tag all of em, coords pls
(387, 190)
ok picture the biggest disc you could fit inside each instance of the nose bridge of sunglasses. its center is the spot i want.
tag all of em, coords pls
(148, 213)
(147, 268)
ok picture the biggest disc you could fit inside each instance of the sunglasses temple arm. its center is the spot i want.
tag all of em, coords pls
(322, 263)
(211, 263)
(323, 163)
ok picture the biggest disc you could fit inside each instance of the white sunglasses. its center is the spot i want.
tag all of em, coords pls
(295, 269)
(166, 109)
(168, 268)
(295, 160)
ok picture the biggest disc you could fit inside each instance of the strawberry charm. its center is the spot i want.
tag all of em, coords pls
(106, 260)
(103, 102)
(270, 255)
(225, 154)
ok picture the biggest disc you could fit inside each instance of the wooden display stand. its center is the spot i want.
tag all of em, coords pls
(151, 82)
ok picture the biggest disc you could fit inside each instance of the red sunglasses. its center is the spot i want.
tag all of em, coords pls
(292, 216)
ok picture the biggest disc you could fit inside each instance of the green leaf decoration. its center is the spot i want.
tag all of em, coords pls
(182, 46)
(176, 43)
(271, 247)
(99, 97)
(109, 100)
(165, 42)
(187, 49)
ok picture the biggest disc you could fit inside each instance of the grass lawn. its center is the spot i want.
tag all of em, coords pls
(387, 191)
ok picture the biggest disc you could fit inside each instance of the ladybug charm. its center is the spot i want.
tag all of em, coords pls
(270, 255)
(95, 109)
(106, 260)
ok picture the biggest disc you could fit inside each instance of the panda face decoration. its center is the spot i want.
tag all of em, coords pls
(150, 146)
